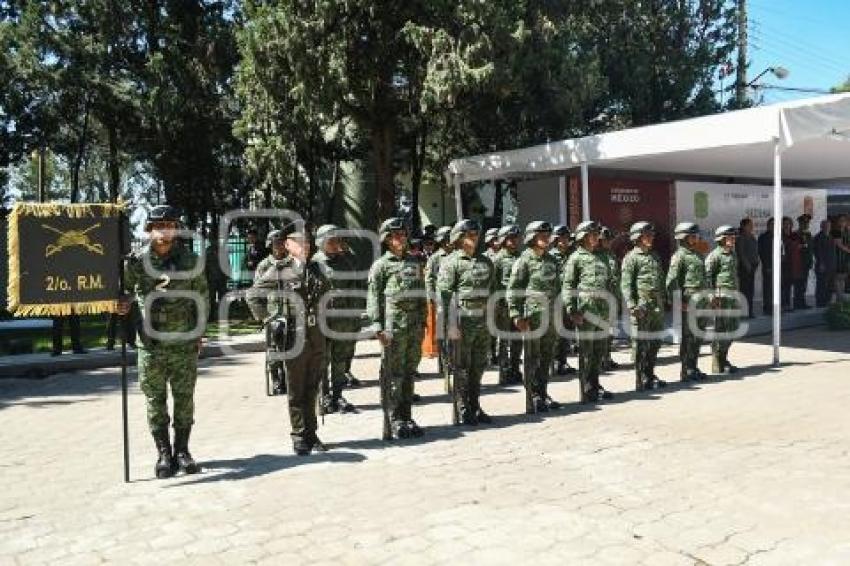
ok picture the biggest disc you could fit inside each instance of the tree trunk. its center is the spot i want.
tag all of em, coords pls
(418, 163)
(382, 156)
(78, 158)
(114, 174)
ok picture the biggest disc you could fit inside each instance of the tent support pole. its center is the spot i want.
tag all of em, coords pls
(562, 199)
(458, 202)
(777, 253)
(585, 192)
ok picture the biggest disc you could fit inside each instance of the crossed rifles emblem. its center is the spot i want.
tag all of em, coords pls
(72, 238)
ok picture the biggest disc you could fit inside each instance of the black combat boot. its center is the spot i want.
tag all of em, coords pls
(329, 405)
(314, 443)
(301, 446)
(564, 368)
(185, 463)
(538, 404)
(350, 380)
(164, 467)
(340, 402)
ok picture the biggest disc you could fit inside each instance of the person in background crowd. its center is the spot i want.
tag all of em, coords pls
(748, 261)
(765, 246)
(823, 247)
(74, 326)
(804, 238)
(841, 238)
(255, 253)
(791, 262)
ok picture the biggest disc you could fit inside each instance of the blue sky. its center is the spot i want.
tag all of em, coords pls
(809, 38)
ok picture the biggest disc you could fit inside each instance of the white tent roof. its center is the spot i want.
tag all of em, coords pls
(813, 134)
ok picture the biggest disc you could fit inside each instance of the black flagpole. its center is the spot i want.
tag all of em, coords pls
(122, 322)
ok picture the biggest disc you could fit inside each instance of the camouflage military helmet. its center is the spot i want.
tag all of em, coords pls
(605, 233)
(490, 235)
(393, 224)
(638, 229)
(724, 231)
(461, 228)
(162, 213)
(275, 236)
(534, 228)
(586, 228)
(560, 231)
(325, 232)
(428, 232)
(508, 231)
(685, 229)
(441, 236)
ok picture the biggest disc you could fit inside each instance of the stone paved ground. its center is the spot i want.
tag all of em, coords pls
(751, 470)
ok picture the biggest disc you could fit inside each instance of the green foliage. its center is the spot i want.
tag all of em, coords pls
(838, 315)
(843, 87)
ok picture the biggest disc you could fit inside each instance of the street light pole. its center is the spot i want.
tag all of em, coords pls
(741, 74)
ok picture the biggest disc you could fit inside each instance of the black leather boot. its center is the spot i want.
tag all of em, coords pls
(185, 462)
(164, 467)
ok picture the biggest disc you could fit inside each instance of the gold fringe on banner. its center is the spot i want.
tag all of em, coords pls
(42, 210)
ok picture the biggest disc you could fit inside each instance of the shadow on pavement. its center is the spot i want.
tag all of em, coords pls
(263, 464)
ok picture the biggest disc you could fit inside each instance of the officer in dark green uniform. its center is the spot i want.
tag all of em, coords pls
(687, 274)
(532, 298)
(339, 268)
(288, 285)
(721, 269)
(170, 334)
(642, 283)
(465, 282)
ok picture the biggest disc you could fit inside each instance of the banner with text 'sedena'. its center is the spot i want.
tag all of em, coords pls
(64, 258)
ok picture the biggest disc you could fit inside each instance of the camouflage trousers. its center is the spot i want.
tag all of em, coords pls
(161, 365)
(562, 348)
(509, 351)
(538, 357)
(303, 375)
(474, 343)
(723, 324)
(404, 354)
(592, 348)
(338, 355)
(690, 342)
(646, 348)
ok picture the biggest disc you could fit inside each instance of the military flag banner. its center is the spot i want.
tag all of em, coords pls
(64, 259)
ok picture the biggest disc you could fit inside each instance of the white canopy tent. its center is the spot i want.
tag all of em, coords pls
(804, 140)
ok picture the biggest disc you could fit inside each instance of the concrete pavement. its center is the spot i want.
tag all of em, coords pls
(746, 470)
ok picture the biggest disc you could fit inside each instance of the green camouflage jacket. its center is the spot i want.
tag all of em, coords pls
(587, 273)
(642, 279)
(503, 264)
(537, 276)
(721, 269)
(686, 273)
(397, 282)
(470, 277)
(432, 272)
(339, 269)
(292, 278)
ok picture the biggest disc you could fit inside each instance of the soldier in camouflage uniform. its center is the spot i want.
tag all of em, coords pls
(339, 268)
(491, 244)
(561, 249)
(289, 286)
(721, 270)
(532, 298)
(687, 274)
(396, 307)
(432, 272)
(605, 239)
(642, 284)
(465, 283)
(161, 268)
(586, 285)
(510, 351)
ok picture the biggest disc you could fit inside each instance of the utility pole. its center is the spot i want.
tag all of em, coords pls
(741, 77)
(42, 174)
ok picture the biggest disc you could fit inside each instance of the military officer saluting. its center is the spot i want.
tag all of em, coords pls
(164, 267)
(561, 249)
(396, 310)
(338, 267)
(291, 286)
(586, 289)
(687, 274)
(532, 296)
(721, 269)
(465, 282)
(510, 350)
(642, 284)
